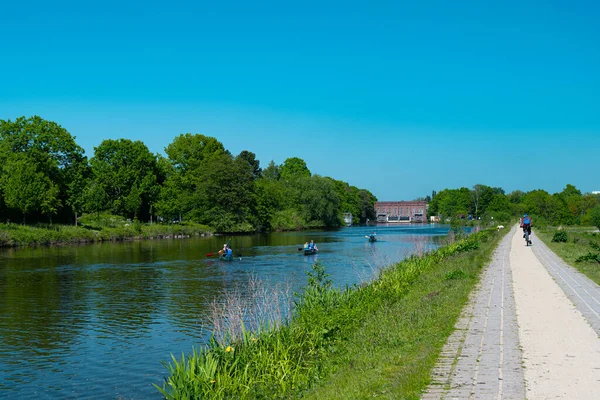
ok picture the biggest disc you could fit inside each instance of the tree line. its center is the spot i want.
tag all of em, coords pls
(568, 207)
(45, 177)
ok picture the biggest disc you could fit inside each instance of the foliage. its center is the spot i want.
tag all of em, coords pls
(38, 160)
(26, 188)
(107, 228)
(560, 237)
(594, 216)
(294, 168)
(128, 174)
(589, 257)
(44, 175)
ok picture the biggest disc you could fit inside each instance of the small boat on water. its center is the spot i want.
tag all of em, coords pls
(310, 252)
(226, 257)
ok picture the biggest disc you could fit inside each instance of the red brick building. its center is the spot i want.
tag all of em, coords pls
(401, 211)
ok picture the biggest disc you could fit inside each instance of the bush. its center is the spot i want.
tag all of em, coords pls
(560, 236)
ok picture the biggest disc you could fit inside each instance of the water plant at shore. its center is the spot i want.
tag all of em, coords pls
(328, 327)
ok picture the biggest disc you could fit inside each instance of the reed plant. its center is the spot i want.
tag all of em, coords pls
(328, 328)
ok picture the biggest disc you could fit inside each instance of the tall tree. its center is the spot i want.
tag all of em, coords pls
(52, 153)
(294, 168)
(129, 175)
(253, 163)
(28, 189)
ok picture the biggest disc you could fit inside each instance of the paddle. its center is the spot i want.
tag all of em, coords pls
(219, 252)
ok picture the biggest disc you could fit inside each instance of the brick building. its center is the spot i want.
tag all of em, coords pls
(401, 211)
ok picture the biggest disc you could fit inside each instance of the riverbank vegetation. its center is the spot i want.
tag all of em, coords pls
(93, 229)
(577, 246)
(380, 338)
(46, 178)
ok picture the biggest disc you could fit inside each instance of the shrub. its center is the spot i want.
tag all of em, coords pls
(560, 236)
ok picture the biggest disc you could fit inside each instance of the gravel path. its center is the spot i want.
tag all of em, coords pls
(530, 330)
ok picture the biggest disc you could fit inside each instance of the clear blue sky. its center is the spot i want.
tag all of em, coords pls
(397, 98)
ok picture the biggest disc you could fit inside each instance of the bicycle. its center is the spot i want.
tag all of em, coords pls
(526, 236)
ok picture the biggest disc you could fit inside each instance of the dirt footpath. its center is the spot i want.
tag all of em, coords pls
(521, 336)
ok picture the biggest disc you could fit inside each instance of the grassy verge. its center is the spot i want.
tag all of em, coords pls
(378, 339)
(579, 244)
(45, 234)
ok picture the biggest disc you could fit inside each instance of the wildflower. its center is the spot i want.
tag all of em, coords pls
(253, 339)
(229, 349)
(212, 381)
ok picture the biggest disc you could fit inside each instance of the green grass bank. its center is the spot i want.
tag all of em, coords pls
(105, 228)
(379, 339)
(576, 245)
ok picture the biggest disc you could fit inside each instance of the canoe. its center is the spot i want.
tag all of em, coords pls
(309, 252)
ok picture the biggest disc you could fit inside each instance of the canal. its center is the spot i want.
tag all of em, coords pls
(95, 321)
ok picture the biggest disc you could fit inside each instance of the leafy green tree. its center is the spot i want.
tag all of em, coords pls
(253, 163)
(224, 189)
(588, 202)
(53, 155)
(272, 172)
(294, 168)
(570, 190)
(188, 155)
(270, 198)
(595, 216)
(128, 173)
(319, 201)
(451, 202)
(367, 205)
(79, 179)
(499, 203)
(188, 151)
(482, 195)
(516, 197)
(26, 188)
(95, 198)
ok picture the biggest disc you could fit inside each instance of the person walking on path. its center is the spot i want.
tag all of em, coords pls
(530, 330)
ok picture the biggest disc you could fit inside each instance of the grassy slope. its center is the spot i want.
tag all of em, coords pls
(394, 351)
(576, 246)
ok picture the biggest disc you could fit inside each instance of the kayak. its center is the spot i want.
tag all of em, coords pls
(372, 239)
(226, 257)
(309, 252)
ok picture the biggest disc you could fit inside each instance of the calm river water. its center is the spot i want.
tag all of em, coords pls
(96, 321)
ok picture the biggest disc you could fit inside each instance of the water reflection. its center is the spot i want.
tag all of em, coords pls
(96, 320)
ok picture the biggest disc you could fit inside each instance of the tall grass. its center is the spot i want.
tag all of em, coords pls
(288, 359)
(256, 307)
